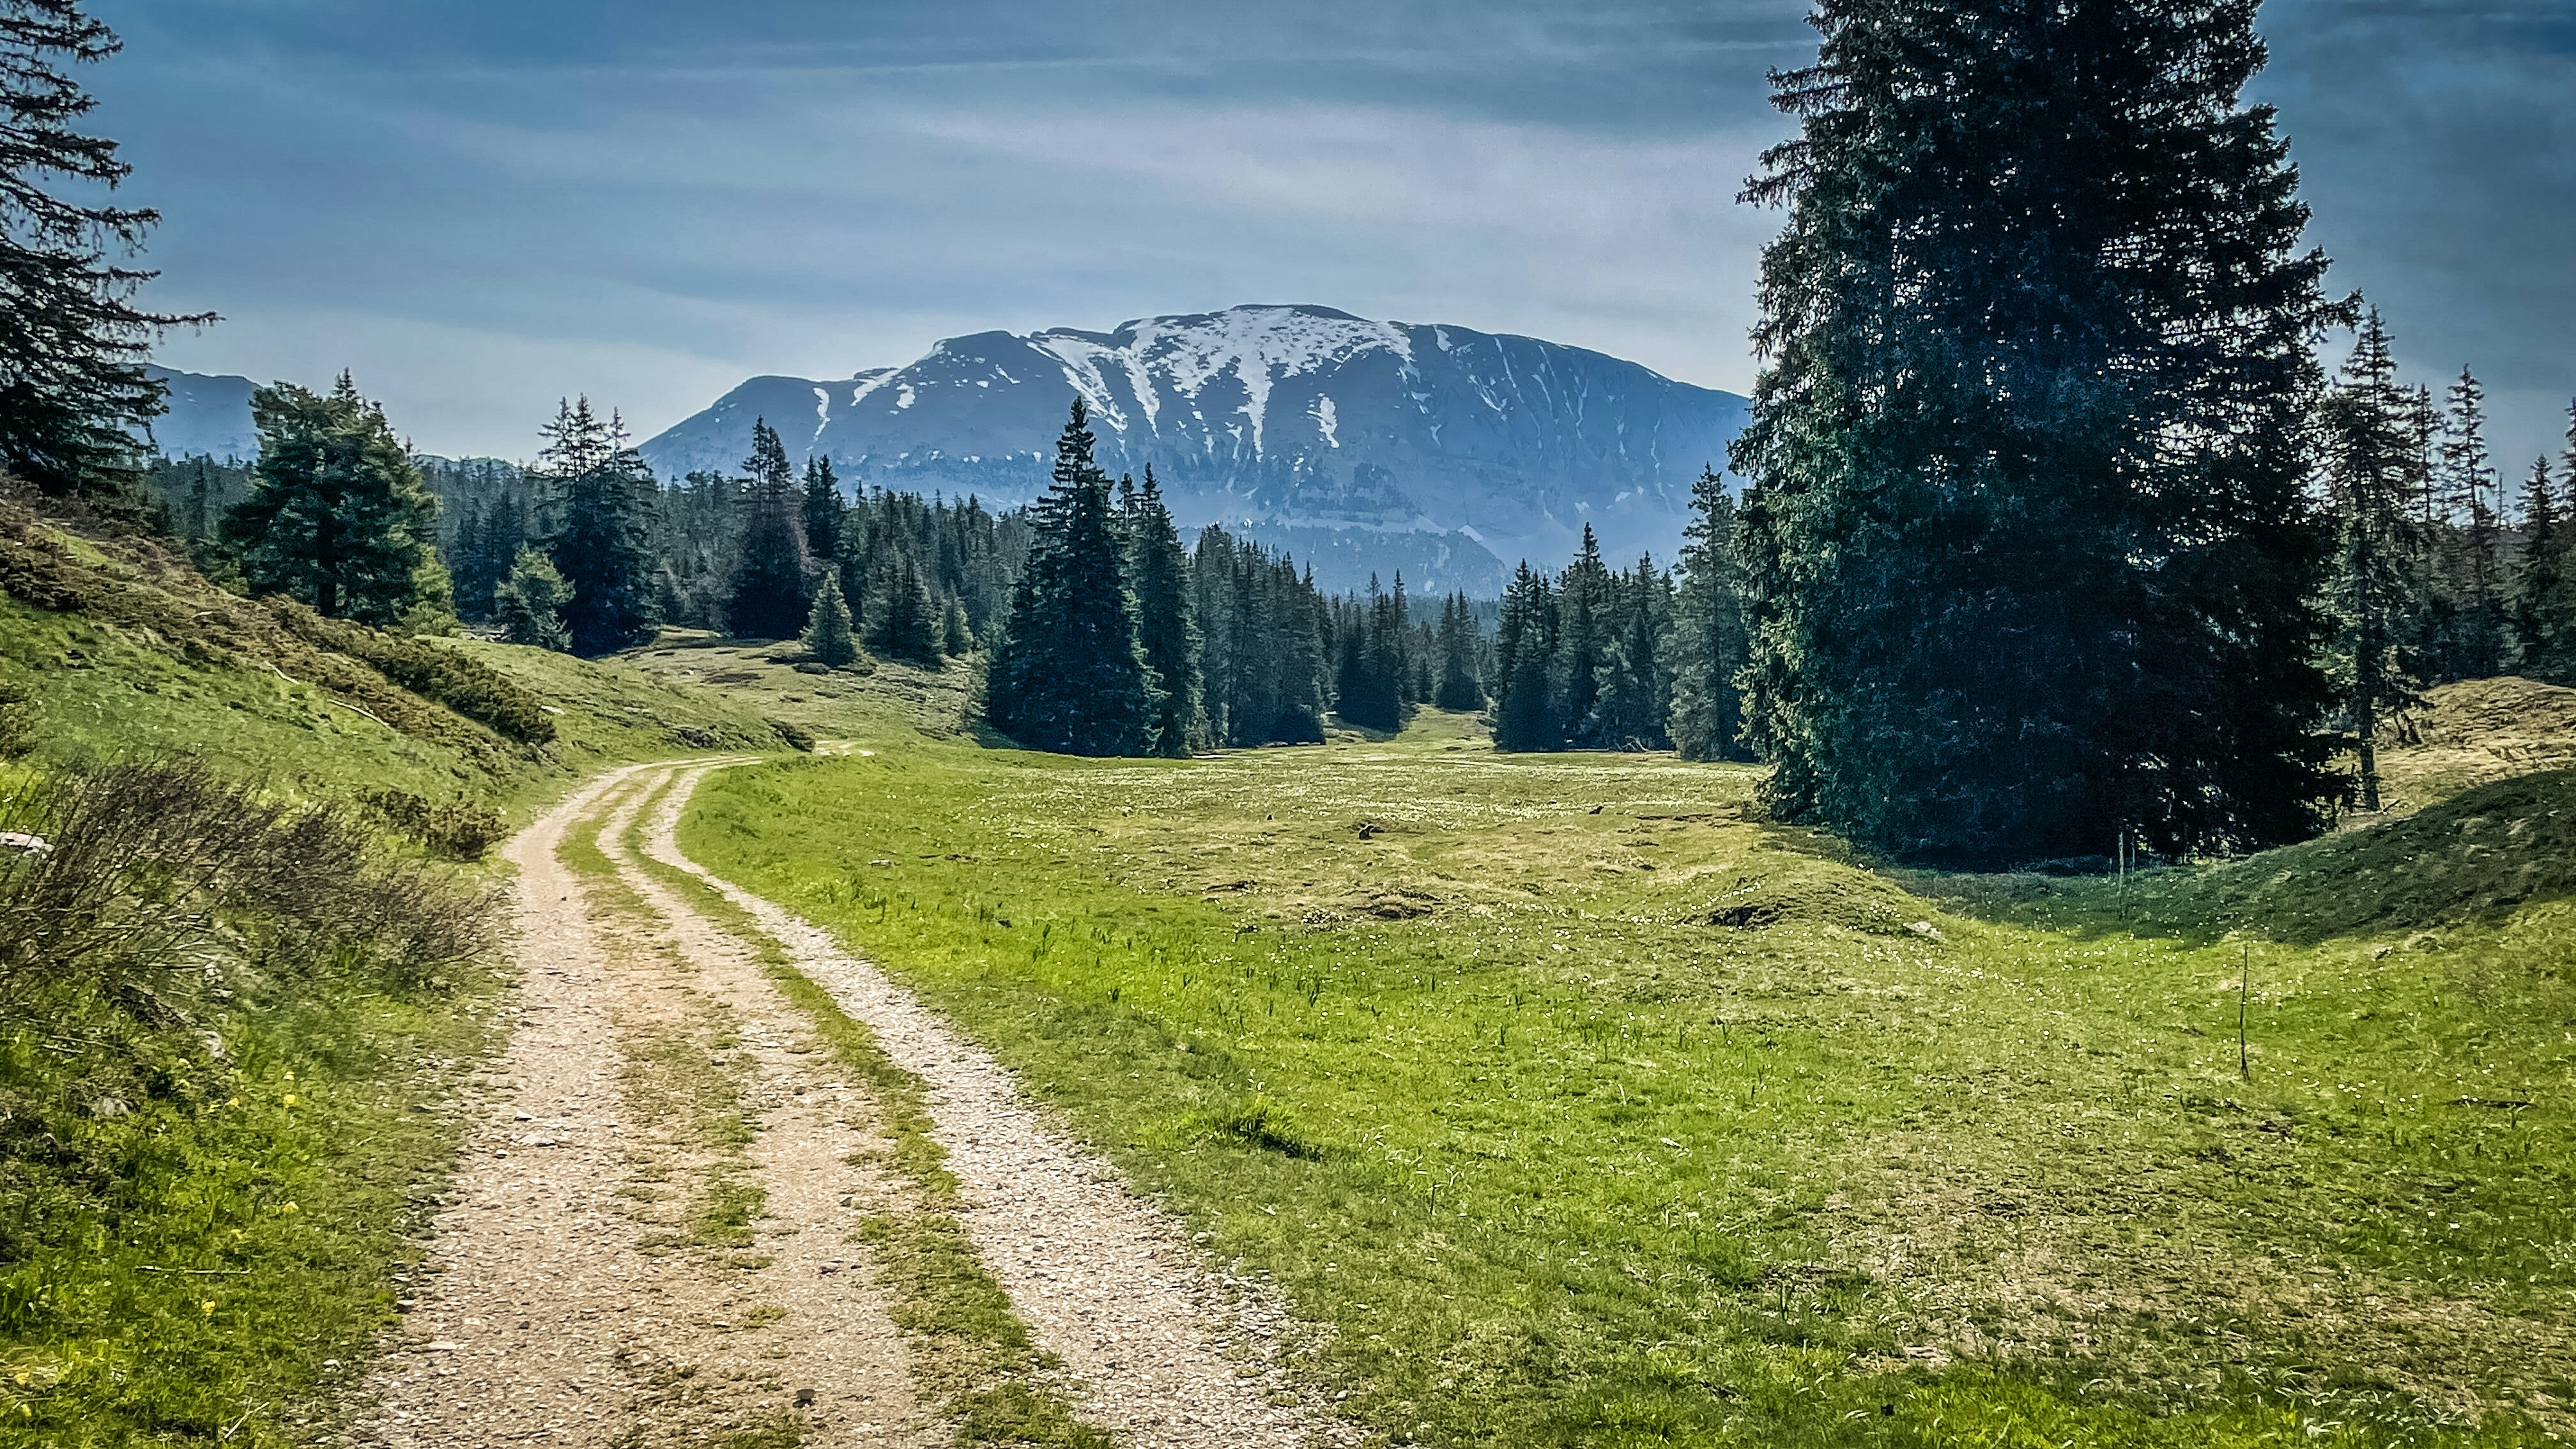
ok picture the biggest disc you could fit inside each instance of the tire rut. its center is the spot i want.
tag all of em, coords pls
(1169, 1351)
(550, 1317)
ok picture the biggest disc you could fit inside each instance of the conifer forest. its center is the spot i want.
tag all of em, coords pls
(2013, 885)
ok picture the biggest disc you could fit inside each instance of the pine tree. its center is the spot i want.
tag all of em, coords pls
(2377, 595)
(1525, 644)
(1460, 687)
(956, 637)
(72, 343)
(530, 603)
(1707, 721)
(902, 623)
(767, 597)
(1166, 626)
(2038, 560)
(828, 636)
(336, 515)
(599, 496)
(1067, 675)
(823, 508)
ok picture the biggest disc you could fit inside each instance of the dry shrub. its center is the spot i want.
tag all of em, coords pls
(153, 865)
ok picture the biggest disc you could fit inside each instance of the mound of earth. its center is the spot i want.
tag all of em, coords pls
(2476, 857)
(1811, 892)
(2474, 733)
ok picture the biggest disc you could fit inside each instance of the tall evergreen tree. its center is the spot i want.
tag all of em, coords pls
(2024, 459)
(2544, 597)
(488, 541)
(828, 636)
(2372, 456)
(1067, 675)
(1707, 721)
(902, 623)
(1525, 644)
(598, 495)
(1460, 686)
(767, 598)
(72, 342)
(823, 509)
(2468, 489)
(336, 515)
(1166, 626)
(1583, 622)
(1636, 692)
(530, 601)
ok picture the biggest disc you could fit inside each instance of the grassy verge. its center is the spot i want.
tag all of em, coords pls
(218, 1250)
(1580, 1105)
(971, 1355)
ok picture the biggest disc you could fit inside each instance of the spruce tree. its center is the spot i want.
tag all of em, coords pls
(72, 343)
(1166, 629)
(823, 509)
(2038, 562)
(336, 515)
(1635, 690)
(2544, 602)
(828, 636)
(530, 603)
(1067, 675)
(902, 623)
(599, 496)
(1707, 721)
(1583, 620)
(1460, 688)
(2468, 488)
(1525, 702)
(766, 599)
(2376, 594)
(956, 637)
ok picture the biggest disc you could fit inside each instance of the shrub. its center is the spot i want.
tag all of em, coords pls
(150, 869)
(465, 685)
(454, 827)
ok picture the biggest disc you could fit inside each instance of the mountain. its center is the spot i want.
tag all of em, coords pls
(209, 416)
(1439, 451)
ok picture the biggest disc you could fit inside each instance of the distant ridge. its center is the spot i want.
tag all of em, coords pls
(1370, 447)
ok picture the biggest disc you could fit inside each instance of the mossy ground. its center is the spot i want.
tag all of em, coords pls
(1452, 1044)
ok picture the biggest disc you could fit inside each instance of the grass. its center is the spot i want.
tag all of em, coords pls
(1577, 1103)
(259, 1221)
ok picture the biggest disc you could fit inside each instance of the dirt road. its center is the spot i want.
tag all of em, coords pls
(653, 1236)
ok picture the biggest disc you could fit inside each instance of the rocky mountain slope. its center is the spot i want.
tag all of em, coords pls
(1366, 446)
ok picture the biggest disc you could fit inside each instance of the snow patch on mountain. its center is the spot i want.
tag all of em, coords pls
(1299, 418)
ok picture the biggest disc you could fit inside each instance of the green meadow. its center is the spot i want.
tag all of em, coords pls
(1572, 1101)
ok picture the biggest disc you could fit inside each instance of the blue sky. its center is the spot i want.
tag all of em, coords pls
(480, 206)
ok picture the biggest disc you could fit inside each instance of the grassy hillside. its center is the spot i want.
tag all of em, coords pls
(210, 1163)
(1581, 1104)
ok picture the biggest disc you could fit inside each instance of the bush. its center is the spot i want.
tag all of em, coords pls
(454, 827)
(151, 870)
(465, 685)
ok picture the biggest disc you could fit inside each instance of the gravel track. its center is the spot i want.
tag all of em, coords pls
(546, 1320)
(1169, 1351)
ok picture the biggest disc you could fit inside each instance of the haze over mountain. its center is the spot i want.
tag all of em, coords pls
(1440, 451)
